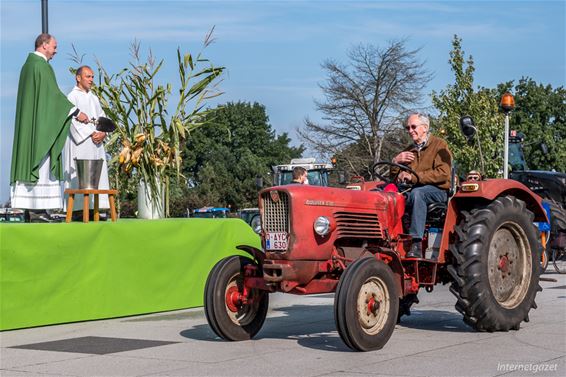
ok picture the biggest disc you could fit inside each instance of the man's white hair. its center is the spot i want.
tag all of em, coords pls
(423, 118)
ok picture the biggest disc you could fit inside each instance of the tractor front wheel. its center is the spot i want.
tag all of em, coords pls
(234, 312)
(366, 305)
(496, 265)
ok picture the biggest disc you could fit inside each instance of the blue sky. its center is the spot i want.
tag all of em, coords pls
(273, 49)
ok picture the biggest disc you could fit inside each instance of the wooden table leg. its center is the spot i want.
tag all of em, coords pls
(96, 212)
(112, 207)
(70, 203)
(86, 208)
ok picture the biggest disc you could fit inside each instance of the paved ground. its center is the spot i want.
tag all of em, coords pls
(298, 339)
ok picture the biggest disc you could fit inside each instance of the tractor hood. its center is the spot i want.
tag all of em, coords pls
(291, 211)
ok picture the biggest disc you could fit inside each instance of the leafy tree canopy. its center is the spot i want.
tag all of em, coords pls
(540, 114)
(224, 159)
(460, 99)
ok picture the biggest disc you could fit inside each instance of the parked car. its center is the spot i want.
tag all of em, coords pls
(211, 212)
(252, 218)
(12, 215)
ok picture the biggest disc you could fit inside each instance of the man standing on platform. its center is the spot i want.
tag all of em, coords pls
(43, 117)
(84, 141)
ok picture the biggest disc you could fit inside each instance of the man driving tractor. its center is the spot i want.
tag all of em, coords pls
(431, 159)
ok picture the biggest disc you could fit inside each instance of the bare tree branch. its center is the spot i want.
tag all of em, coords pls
(363, 103)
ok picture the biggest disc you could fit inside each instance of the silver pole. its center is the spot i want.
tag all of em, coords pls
(506, 148)
(44, 17)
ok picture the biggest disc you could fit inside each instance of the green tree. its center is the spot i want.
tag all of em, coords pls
(460, 99)
(540, 114)
(224, 159)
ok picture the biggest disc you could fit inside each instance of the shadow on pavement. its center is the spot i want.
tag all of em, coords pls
(313, 326)
(435, 320)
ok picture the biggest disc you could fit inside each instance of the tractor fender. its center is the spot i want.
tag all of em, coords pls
(257, 254)
(490, 189)
(487, 191)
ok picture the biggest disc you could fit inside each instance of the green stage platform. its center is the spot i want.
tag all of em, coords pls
(58, 273)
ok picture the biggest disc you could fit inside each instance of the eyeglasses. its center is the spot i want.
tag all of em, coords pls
(412, 127)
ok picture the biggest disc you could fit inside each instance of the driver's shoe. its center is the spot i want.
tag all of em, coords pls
(416, 250)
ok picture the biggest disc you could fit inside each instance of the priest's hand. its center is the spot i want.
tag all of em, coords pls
(98, 137)
(82, 117)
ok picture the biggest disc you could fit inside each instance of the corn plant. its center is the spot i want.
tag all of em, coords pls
(149, 138)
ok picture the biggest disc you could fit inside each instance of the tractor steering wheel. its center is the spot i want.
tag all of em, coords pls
(379, 171)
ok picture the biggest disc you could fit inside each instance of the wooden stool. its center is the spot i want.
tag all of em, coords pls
(86, 203)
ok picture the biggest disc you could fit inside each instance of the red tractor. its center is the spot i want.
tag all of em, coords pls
(322, 239)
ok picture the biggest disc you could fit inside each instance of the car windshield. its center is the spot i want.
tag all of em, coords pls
(210, 215)
(316, 178)
(516, 158)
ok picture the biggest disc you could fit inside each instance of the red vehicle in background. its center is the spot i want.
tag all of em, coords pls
(351, 241)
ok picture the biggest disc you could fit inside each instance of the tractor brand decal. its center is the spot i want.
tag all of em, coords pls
(319, 203)
(274, 196)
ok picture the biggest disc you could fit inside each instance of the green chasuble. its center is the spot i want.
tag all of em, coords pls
(42, 121)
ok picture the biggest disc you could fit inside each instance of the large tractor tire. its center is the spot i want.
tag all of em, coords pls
(233, 311)
(496, 265)
(366, 304)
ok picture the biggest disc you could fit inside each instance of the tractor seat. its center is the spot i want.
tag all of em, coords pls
(436, 212)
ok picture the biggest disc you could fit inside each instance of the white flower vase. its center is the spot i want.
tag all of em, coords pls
(149, 208)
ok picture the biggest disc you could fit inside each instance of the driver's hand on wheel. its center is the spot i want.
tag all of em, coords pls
(404, 158)
(404, 177)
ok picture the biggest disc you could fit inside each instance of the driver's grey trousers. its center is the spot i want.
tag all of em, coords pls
(418, 200)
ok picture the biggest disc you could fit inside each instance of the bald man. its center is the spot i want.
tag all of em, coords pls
(43, 117)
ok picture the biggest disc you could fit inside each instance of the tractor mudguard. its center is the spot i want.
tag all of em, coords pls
(486, 191)
(257, 254)
(493, 188)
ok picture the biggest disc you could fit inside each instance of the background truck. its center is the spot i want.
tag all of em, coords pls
(317, 172)
(549, 185)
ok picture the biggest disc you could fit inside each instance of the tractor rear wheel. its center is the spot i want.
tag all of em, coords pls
(496, 265)
(234, 311)
(366, 304)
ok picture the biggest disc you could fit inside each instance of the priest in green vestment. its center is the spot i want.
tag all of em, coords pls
(43, 117)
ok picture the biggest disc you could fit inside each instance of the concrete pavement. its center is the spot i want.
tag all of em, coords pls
(298, 339)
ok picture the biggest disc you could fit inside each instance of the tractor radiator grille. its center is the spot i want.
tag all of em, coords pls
(275, 212)
(358, 225)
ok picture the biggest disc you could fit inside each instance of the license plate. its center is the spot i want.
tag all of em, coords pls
(276, 241)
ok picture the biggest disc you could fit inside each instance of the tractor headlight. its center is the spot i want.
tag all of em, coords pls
(322, 225)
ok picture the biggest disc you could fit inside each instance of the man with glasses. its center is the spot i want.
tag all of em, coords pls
(431, 159)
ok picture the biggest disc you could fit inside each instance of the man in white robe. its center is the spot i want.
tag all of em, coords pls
(84, 141)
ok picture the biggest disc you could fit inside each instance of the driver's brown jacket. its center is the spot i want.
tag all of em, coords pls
(432, 163)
